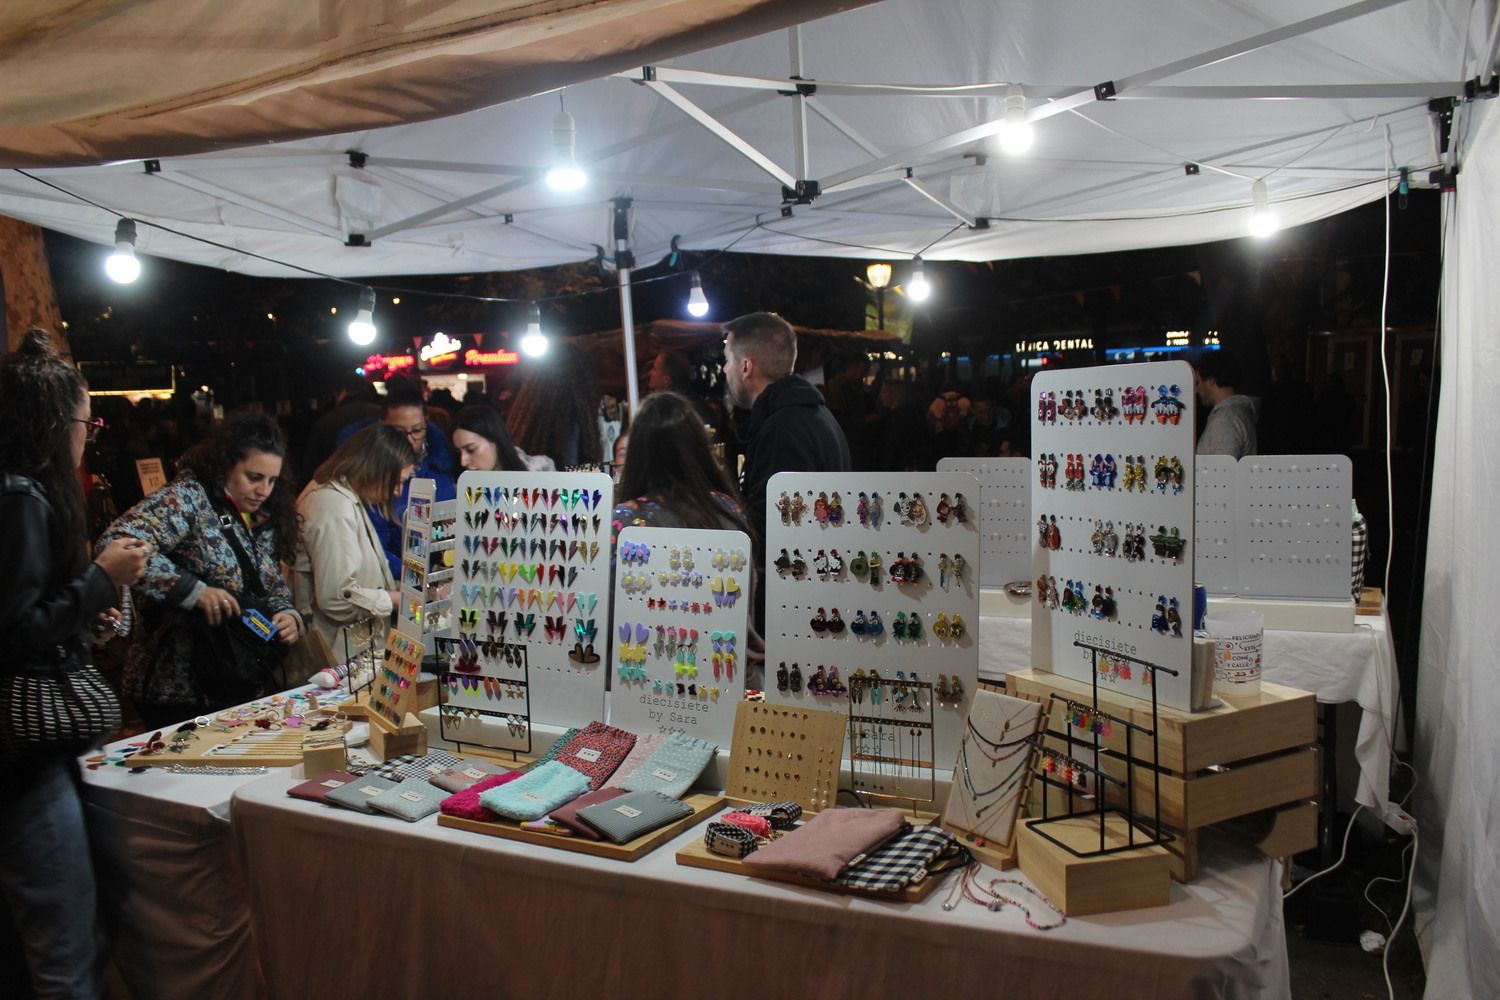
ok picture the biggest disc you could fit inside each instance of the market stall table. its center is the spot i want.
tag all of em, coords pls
(422, 910)
(1357, 666)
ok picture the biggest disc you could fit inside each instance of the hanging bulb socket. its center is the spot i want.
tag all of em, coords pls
(697, 303)
(565, 174)
(122, 265)
(362, 326)
(1016, 135)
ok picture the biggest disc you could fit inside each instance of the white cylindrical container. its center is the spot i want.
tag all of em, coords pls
(1238, 637)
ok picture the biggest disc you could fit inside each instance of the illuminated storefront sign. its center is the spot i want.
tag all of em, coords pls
(481, 359)
(1074, 344)
(388, 362)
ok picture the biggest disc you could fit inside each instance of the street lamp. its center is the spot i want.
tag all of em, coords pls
(879, 276)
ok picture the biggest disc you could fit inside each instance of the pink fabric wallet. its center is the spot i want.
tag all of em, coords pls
(568, 815)
(317, 789)
(465, 804)
(824, 845)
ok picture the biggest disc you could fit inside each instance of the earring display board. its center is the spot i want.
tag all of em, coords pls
(992, 776)
(489, 705)
(427, 562)
(1214, 520)
(1293, 535)
(1004, 516)
(682, 600)
(785, 754)
(393, 692)
(1112, 495)
(873, 576)
(533, 570)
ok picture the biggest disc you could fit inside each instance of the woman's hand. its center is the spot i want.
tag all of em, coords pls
(395, 599)
(217, 605)
(124, 560)
(107, 625)
(286, 626)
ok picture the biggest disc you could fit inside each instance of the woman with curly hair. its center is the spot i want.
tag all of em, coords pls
(229, 495)
(556, 411)
(52, 701)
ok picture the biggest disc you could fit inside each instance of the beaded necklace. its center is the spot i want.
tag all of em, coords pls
(994, 900)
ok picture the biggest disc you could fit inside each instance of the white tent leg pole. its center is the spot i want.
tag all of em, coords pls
(627, 323)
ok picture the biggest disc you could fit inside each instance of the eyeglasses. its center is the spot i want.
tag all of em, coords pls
(95, 425)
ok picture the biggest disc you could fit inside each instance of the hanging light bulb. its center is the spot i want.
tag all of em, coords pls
(534, 342)
(362, 326)
(122, 265)
(1263, 221)
(1016, 135)
(697, 304)
(565, 174)
(917, 288)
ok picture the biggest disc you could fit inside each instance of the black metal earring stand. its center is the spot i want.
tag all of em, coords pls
(445, 647)
(369, 647)
(1102, 806)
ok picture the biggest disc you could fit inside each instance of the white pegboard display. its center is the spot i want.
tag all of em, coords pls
(682, 600)
(1293, 526)
(1004, 516)
(428, 536)
(1214, 562)
(837, 525)
(1113, 516)
(533, 570)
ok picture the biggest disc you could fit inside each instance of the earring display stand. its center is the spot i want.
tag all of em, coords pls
(785, 754)
(361, 642)
(427, 562)
(533, 570)
(1214, 517)
(682, 601)
(882, 575)
(394, 729)
(891, 740)
(993, 774)
(1112, 494)
(490, 709)
(1004, 516)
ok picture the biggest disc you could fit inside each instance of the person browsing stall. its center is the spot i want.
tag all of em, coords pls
(222, 514)
(484, 444)
(1231, 423)
(53, 703)
(341, 576)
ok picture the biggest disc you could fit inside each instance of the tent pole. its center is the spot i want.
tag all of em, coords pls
(624, 261)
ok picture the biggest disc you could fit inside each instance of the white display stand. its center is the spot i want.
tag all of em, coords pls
(653, 689)
(1144, 621)
(555, 529)
(1293, 526)
(792, 602)
(1215, 516)
(428, 540)
(1004, 516)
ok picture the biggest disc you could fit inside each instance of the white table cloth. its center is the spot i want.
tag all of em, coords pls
(419, 910)
(1357, 666)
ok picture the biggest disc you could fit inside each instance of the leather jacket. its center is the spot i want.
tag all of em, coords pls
(45, 614)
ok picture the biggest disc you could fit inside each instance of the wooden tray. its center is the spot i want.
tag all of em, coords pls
(282, 748)
(703, 805)
(696, 855)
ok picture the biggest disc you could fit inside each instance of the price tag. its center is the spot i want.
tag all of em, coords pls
(627, 811)
(533, 796)
(412, 796)
(472, 772)
(589, 754)
(371, 791)
(333, 783)
(664, 774)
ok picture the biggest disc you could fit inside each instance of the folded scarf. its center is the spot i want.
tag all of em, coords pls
(597, 751)
(673, 768)
(465, 804)
(644, 747)
(536, 793)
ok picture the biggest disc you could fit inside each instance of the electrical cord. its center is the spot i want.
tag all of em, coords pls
(1343, 853)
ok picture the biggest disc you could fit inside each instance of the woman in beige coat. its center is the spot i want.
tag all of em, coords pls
(342, 576)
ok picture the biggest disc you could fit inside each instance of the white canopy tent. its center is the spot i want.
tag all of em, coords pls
(872, 133)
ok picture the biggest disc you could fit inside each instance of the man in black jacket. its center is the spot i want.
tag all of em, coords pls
(790, 430)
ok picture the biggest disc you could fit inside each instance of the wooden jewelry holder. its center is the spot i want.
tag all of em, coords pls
(394, 728)
(785, 753)
(1019, 721)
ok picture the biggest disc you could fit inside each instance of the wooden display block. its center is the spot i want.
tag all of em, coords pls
(1369, 602)
(696, 855)
(1105, 883)
(387, 741)
(1218, 765)
(703, 805)
(427, 693)
(785, 753)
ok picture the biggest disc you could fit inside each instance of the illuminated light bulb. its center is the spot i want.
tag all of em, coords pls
(122, 265)
(534, 343)
(1017, 135)
(879, 275)
(362, 326)
(1263, 221)
(917, 287)
(697, 303)
(565, 174)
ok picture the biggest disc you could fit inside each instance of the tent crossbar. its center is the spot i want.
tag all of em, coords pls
(246, 201)
(721, 131)
(1420, 90)
(801, 155)
(448, 208)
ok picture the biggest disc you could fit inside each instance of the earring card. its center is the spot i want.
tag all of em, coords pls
(1112, 491)
(785, 753)
(533, 559)
(928, 575)
(677, 652)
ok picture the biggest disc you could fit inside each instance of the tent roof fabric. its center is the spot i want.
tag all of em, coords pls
(890, 108)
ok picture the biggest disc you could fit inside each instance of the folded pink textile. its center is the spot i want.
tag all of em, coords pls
(465, 804)
(825, 844)
(645, 746)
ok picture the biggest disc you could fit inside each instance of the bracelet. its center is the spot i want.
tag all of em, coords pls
(757, 825)
(783, 815)
(729, 840)
(205, 769)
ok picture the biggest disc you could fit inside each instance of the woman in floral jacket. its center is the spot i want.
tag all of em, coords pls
(194, 567)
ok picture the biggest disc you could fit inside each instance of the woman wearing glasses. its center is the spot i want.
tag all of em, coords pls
(229, 509)
(52, 701)
(342, 576)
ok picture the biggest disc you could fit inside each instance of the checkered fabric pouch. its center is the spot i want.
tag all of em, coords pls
(901, 861)
(413, 765)
(1358, 552)
(782, 815)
